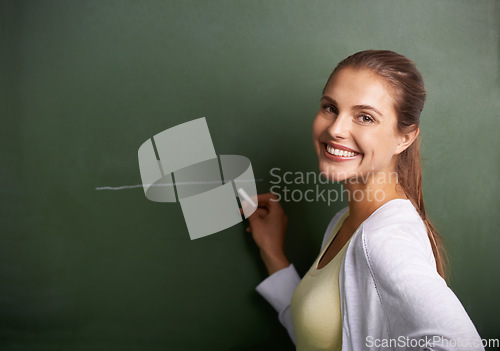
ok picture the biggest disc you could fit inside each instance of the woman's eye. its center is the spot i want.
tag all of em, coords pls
(329, 109)
(366, 119)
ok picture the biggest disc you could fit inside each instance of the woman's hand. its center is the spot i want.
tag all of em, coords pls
(268, 225)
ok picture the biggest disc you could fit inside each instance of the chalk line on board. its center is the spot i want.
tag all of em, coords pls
(124, 187)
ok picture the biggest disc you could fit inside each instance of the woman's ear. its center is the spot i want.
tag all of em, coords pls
(406, 139)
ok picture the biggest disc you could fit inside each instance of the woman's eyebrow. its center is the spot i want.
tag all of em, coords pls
(325, 97)
(367, 107)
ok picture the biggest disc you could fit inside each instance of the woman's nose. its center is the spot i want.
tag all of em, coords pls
(339, 127)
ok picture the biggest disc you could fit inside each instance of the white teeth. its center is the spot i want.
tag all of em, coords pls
(341, 153)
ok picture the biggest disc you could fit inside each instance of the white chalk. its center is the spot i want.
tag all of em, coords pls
(247, 198)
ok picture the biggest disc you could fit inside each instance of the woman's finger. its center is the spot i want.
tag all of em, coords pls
(266, 198)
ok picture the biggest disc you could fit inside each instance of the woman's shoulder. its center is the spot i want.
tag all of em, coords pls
(394, 247)
(395, 213)
(397, 216)
(393, 231)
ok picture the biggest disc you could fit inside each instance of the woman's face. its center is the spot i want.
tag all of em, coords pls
(355, 131)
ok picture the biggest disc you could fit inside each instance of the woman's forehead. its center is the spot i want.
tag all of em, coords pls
(352, 87)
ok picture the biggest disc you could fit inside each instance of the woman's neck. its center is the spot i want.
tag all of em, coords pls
(365, 196)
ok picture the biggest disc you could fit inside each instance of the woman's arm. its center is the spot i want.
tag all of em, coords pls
(268, 227)
(278, 290)
(415, 298)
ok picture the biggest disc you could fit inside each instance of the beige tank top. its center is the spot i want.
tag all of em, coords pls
(315, 304)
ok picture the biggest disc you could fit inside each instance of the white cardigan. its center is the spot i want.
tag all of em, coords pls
(392, 297)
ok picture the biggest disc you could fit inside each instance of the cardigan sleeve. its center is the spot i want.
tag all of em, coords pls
(416, 300)
(278, 290)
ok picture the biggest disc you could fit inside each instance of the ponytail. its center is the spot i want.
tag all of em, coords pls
(409, 173)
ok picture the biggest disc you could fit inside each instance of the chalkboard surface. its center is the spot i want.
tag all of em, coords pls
(87, 262)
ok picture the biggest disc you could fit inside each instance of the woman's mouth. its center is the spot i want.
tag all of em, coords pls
(337, 154)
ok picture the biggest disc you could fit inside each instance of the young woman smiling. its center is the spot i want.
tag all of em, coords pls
(378, 282)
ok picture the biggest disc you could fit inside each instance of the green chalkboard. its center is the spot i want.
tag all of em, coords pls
(87, 262)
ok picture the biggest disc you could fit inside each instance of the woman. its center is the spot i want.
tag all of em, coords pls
(378, 282)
